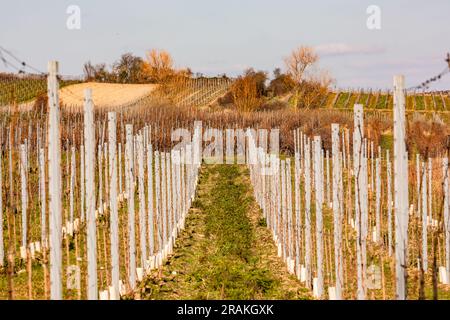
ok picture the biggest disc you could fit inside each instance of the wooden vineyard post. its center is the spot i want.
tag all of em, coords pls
(43, 203)
(100, 179)
(11, 212)
(430, 190)
(106, 175)
(25, 215)
(389, 200)
(344, 149)
(372, 181)
(283, 209)
(418, 183)
(378, 197)
(181, 187)
(173, 183)
(113, 207)
(24, 196)
(55, 184)
(229, 146)
(337, 211)
(290, 261)
(142, 208)
(445, 185)
(272, 215)
(327, 156)
(318, 184)
(424, 262)
(401, 202)
(169, 204)
(360, 187)
(322, 172)
(175, 161)
(129, 158)
(2, 245)
(188, 165)
(150, 200)
(82, 184)
(298, 219)
(364, 211)
(89, 144)
(72, 185)
(158, 205)
(163, 204)
(308, 241)
(119, 151)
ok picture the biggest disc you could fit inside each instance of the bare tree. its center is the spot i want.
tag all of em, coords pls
(159, 65)
(128, 69)
(300, 60)
(309, 87)
(98, 72)
(89, 71)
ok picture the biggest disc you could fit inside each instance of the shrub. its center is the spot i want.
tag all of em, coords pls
(245, 94)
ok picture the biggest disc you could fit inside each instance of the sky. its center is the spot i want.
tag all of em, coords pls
(215, 37)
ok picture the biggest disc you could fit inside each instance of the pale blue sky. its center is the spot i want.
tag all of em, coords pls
(218, 36)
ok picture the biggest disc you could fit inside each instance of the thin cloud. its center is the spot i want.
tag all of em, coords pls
(341, 49)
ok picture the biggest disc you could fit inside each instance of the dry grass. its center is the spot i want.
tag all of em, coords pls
(105, 95)
(224, 252)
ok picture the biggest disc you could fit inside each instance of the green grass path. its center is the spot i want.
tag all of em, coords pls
(225, 251)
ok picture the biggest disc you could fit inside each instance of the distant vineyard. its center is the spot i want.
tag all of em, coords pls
(205, 91)
(24, 88)
(433, 101)
(197, 92)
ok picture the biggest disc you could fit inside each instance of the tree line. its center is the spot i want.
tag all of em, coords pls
(301, 85)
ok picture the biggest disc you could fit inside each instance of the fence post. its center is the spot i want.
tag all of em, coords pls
(430, 196)
(150, 199)
(174, 156)
(290, 261)
(54, 179)
(89, 143)
(163, 204)
(401, 202)
(100, 178)
(82, 183)
(24, 194)
(72, 185)
(130, 200)
(283, 209)
(169, 202)
(308, 244)
(2, 245)
(158, 203)
(142, 208)
(445, 185)
(298, 220)
(424, 219)
(358, 171)
(418, 182)
(389, 200)
(327, 158)
(378, 196)
(114, 215)
(119, 156)
(337, 211)
(318, 181)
